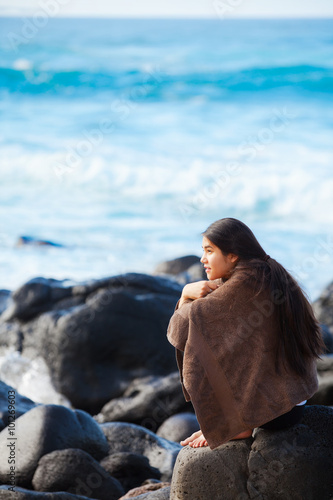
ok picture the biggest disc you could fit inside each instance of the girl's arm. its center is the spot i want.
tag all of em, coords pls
(197, 290)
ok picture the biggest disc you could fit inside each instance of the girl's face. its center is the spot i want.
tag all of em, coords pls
(216, 264)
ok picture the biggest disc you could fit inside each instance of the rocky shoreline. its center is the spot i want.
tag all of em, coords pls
(108, 423)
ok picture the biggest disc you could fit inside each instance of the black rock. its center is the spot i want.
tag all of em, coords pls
(95, 337)
(75, 471)
(35, 297)
(132, 438)
(9, 397)
(44, 429)
(179, 427)
(183, 269)
(130, 469)
(177, 266)
(295, 462)
(24, 494)
(286, 464)
(147, 402)
(30, 240)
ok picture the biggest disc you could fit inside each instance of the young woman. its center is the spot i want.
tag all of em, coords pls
(246, 340)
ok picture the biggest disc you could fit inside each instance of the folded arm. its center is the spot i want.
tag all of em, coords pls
(197, 290)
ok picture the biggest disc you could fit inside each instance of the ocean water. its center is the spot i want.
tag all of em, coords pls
(122, 140)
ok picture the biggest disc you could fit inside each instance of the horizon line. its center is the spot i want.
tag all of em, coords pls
(176, 17)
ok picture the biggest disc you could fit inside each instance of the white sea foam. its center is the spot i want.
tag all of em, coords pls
(22, 64)
(30, 378)
(127, 199)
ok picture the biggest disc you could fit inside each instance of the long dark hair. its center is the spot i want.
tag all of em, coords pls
(300, 336)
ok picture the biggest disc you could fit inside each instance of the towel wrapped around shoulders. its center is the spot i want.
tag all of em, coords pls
(226, 349)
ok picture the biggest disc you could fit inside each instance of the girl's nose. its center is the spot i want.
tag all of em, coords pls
(202, 260)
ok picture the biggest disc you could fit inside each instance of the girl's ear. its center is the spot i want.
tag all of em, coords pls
(233, 258)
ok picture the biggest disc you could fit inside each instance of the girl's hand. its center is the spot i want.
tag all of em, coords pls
(197, 290)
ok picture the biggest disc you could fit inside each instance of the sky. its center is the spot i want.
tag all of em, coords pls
(170, 8)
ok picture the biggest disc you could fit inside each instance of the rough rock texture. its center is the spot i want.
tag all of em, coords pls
(75, 471)
(220, 474)
(178, 427)
(23, 494)
(132, 438)
(117, 325)
(47, 428)
(295, 463)
(159, 491)
(147, 402)
(21, 403)
(130, 469)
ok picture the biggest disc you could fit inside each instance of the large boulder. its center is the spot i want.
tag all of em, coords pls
(132, 438)
(177, 266)
(130, 469)
(9, 398)
(220, 474)
(287, 464)
(75, 471)
(147, 402)
(183, 269)
(179, 427)
(294, 463)
(44, 429)
(117, 325)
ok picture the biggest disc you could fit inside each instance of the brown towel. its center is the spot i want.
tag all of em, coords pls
(226, 352)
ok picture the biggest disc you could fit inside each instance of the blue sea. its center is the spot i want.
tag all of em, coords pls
(122, 140)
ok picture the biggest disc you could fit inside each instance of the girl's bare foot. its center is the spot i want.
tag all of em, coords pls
(197, 440)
